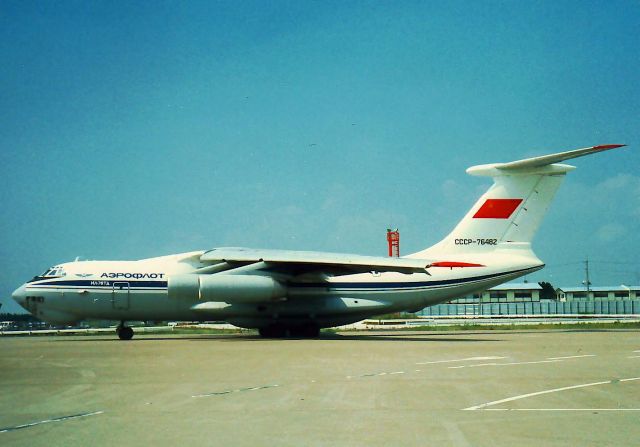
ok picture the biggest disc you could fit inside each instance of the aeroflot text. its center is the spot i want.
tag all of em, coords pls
(132, 275)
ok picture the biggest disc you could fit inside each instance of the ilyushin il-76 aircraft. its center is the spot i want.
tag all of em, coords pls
(296, 293)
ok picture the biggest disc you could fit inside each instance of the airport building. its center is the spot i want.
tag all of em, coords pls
(598, 293)
(504, 293)
(527, 299)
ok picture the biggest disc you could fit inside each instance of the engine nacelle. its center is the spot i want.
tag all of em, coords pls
(227, 288)
(186, 287)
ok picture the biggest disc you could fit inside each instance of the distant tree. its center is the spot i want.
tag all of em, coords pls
(548, 292)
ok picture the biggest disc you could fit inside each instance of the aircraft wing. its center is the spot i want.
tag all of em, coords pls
(297, 262)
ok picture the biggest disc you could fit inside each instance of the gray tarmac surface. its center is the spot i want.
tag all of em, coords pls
(487, 388)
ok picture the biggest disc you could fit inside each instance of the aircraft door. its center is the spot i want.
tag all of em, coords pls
(120, 296)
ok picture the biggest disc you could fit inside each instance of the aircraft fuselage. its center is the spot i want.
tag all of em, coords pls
(141, 290)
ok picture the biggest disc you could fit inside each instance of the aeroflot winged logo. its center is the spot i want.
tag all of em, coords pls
(497, 209)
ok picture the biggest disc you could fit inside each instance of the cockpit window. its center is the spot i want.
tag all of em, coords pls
(54, 272)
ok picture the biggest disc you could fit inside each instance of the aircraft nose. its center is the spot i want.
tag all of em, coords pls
(19, 295)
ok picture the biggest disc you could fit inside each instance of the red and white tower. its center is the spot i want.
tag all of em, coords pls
(393, 238)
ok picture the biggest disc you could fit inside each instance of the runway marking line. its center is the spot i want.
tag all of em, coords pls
(237, 390)
(561, 409)
(548, 360)
(470, 359)
(504, 364)
(571, 357)
(47, 421)
(554, 390)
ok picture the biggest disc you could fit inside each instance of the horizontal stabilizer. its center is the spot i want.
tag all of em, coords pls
(545, 164)
(545, 160)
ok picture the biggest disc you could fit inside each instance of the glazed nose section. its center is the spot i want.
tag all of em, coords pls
(20, 295)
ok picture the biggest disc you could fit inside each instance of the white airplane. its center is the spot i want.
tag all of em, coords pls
(283, 292)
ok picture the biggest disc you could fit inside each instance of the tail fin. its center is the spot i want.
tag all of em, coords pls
(511, 211)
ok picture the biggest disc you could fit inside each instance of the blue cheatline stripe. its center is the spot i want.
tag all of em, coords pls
(94, 283)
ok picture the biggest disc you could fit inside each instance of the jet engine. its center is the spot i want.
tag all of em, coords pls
(227, 288)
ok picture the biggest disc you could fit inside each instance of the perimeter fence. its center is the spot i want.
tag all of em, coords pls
(621, 307)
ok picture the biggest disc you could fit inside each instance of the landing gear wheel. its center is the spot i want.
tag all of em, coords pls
(275, 331)
(124, 332)
(312, 331)
(306, 331)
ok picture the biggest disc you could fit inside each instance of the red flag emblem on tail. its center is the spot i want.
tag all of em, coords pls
(497, 209)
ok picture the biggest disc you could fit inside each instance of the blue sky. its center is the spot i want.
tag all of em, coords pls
(137, 129)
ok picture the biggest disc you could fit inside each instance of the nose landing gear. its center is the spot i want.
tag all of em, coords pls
(124, 332)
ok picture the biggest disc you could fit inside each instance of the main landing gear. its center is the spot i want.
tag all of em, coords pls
(124, 332)
(281, 331)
